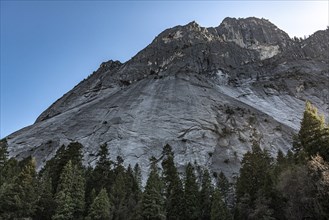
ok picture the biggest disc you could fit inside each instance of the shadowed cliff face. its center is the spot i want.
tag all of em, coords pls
(205, 91)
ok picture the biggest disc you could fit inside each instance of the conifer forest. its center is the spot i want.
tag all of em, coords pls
(291, 185)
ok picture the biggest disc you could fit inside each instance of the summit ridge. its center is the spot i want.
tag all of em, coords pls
(204, 91)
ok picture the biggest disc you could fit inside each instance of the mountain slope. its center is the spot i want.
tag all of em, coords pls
(205, 91)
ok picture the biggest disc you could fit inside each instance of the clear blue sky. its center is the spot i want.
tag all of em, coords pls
(48, 47)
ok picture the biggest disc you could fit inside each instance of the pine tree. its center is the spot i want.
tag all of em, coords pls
(282, 162)
(78, 192)
(103, 174)
(8, 198)
(90, 192)
(224, 186)
(133, 194)
(119, 193)
(191, 194)
(46, 203)
(3, 156)
(153, 204)
(63, 198)
(219, 209)
(254, 181)
(244, 207)
(173, 186)
(9, 171)
(206, 193)
(255, 166)
(70, 193)
(8, 193)
(313, 136)
(262, 209)
(25, 187)
(101, 207)
(56, 165)
(138, 175)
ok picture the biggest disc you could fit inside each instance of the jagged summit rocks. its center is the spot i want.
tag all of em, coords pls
(205, 91)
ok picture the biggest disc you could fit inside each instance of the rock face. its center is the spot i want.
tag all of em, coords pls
(205, 91)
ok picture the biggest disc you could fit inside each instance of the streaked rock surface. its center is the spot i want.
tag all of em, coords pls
(205, 91)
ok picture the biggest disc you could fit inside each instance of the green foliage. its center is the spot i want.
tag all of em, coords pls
(313, 136)
(224, 186)
(262, 209)
(153, 202)
(296, 186)
(205, 195)
(9, 171)
(254, 184)
(191, 194)
(3, 155)
(8, 200)
(255, 167)
(101, 207)
(103, 173)
(46, 203)
(138, 175)
(119, 193)
(26, 193)
(219, 209)
(134, 193)
(90, 193)
(55, 166)
(173, 186)
(70, 193)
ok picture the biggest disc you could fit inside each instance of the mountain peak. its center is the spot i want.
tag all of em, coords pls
(204, 91)
(250, 31)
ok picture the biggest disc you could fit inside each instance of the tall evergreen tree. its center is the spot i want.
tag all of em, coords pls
(56, 165)
(219, 209)
(255, 167)
(313, 136)
(3, 156)
(46, 203)
(64, 200)
(78, 192)
(24, 191)
(191, 194)
(206, 194)
(254, 180)
(262, 209)
(224, 186)
(133, 194)
(70, 193)
(25, 187)
(173, 186)
(153, 204)
(90, 192)
(103, 173)
(8, 198)
(138, 175)
(8, 194)
(119, 192)
(101, 207)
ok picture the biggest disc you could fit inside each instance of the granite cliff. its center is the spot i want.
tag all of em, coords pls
(205, 91)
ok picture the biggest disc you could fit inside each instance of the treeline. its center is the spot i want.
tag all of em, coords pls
(292, 186)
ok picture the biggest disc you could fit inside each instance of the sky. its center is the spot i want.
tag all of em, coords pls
(48, 47)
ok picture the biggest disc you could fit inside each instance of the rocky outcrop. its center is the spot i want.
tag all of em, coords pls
(205, 91)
